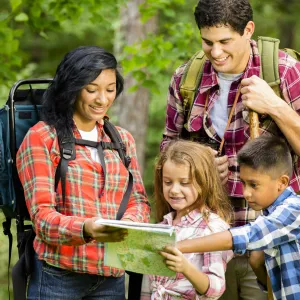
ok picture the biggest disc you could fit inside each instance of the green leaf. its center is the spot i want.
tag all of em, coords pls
(44, 35)
(139, 75)
(15, 4)
(133, 88)
(3, 16)
(22, 17)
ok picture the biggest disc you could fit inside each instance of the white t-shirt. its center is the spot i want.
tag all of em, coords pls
(91, 136)
(218, 113)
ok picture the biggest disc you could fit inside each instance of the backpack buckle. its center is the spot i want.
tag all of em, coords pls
(67, 141)
(6, 227)
(127, 161)
(67, 153)
(123, 147)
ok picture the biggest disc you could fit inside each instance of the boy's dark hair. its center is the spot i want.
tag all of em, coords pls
(78, 68)
(268, 153)
(236, 13)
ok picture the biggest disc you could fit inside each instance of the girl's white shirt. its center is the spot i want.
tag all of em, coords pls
(91, 136)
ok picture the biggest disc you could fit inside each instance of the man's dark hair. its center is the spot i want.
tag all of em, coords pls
(78, 68)
(236, 13)
(269, 154)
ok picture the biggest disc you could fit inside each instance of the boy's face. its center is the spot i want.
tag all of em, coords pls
(227, 50)
(259, 189)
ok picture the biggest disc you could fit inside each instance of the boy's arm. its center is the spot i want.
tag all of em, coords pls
(281, 226)
(214, 242)
(257, 263)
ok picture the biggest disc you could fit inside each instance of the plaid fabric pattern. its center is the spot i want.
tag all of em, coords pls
(213, 264)
(278, 234)
(238, 131)
(59, 228)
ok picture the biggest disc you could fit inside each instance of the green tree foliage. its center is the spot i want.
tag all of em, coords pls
(35, 34)
(41, 31)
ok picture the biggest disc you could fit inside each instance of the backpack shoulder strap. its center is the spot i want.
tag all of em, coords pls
(293, 53)
(67, 153)
(116, 139)
(191, 79)
(268, 51)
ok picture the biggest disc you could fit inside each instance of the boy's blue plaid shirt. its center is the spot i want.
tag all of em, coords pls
(278, 234)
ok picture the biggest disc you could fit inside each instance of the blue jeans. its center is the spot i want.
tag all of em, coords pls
(51, 283)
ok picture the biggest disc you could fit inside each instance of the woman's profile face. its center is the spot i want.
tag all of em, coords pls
(94, 100)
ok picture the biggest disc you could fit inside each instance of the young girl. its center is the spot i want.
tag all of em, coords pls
(189, 195)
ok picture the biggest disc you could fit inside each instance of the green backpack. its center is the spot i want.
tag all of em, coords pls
(268, 50)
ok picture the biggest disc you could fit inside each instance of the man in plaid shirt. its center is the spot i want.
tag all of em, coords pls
(233, 66)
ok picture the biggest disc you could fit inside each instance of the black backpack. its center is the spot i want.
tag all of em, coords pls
(22, 111)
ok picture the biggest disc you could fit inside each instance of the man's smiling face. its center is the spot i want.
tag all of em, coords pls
(227, 50)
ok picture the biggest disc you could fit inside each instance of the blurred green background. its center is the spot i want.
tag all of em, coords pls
(150, 38)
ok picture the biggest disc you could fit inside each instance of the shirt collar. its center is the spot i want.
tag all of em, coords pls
(191, 217)
(77, 134)
(280, 199)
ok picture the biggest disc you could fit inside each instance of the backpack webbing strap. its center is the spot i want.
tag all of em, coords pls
(112, 146)
(68, 153)
(191, 79)
(268, 51)
(99, 146)
(24, 266)
(6, 230)
(293, 53)
(113, 133)
(116, 139)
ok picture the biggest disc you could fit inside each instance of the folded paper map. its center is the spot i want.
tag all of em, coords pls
(139, 251)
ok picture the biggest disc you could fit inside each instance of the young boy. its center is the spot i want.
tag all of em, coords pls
(265, 169)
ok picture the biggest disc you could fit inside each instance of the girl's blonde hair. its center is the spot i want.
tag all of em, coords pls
(204, 175)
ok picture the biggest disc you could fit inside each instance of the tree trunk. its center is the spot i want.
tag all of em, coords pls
(288, 34)
(131, 108)
(287, 23)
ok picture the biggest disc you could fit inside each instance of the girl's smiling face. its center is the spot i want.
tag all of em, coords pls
(178, 187)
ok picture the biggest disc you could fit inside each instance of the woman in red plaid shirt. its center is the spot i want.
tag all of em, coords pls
(69, 245)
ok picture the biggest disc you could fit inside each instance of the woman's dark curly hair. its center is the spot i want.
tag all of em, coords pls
(236, 13)
(78, 68)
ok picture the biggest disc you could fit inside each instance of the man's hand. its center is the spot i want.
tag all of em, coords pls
(222, 165)
(258, 96)
(102, 233)
(175, 260)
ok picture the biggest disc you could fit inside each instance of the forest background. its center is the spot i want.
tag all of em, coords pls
(150, 38)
